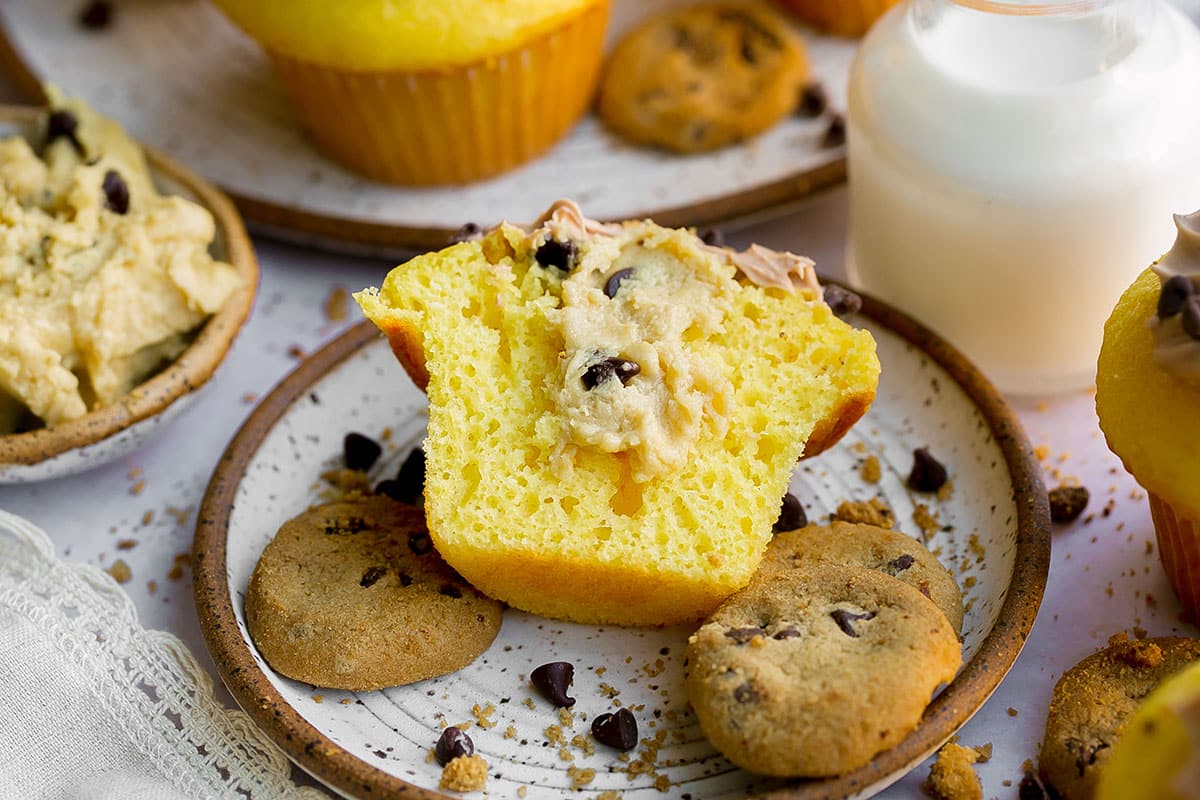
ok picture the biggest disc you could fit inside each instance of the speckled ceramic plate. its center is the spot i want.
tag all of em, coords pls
(106, 434)
(992, 530)
(183, 79)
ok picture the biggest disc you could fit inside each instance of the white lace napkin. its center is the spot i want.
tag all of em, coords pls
(94, 706)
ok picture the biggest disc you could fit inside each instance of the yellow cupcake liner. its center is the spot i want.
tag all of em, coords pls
(840, 17)
(454, 124)
(1179, 549)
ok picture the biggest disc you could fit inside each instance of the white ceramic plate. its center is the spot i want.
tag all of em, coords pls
(182, 78)
(994, 537)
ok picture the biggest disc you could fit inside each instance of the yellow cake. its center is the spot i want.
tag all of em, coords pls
(1158, 752)
(1147, 392)
(615, 410)
(415, 92)
(840, 17)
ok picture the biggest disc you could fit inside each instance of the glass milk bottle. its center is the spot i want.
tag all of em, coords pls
(1013, 165)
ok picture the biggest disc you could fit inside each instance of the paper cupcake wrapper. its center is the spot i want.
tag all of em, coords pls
(455, 124)
(1179, 549)
(841, 17)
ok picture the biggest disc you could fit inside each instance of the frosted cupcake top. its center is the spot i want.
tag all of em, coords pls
(1176, 325)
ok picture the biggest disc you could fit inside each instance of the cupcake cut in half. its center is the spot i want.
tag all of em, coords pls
(615, 410)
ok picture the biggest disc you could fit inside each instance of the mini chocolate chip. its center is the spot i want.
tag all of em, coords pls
(409, 483)
(1191, 316)
(841, 301)
(360, 452)
(786, 633)
(420, 544)
(1068, 502)
(791, 515)
(452, 744)
(835, 134)
(845, 620)
(372, 576)
(900, 563)
(116, 192)
(95, 15)
(405, 579)
(746, 693)
(613, 284)
(713, 237)
(1175, 291)
(602, 371)
(747, 50)
(617, 730)
(552, 681)
(813, 100)
(743, 635)
(347, 526)
(466, 233)
(451, 591)
(63, 125)
(553, 253)
(927, 474)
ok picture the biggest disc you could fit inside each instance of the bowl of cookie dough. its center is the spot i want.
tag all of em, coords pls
(125, 281)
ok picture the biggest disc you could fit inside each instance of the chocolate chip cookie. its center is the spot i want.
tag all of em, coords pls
(872, 547)
(814, 671)
(702, 77)
(1092, 701)
(351, 595)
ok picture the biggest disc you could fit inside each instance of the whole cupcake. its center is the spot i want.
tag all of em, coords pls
(1147, 396)
(417, 93)
(840, 17)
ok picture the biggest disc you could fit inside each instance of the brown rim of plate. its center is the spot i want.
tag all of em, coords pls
(192, 368)
(355, 236)
(338, 768)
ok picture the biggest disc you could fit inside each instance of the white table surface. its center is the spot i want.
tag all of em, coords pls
(1104, 575)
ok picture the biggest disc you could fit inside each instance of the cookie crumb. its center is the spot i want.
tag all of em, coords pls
(984, 751)
(952, 776)
(181, 560)
(580, 777)
(1137, 654)
(120, 571)
(870, 471)
(151, 586)
(347, 480)
(522, 791)
(510, 732)
(871, 512)
(147, 518)
(126, 544)
(926, 520)
(335, 304)
(1067, 503)
(1012, 712)
(483, 715)
(137, 488)
(464, 774)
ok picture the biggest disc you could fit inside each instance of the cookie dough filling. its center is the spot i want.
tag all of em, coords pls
(102, 279)
(637, 305)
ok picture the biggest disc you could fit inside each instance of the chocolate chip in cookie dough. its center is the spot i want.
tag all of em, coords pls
(552, 681)
(63, 125)
(372, 576)
(553, 253)
(791, 515)
(613, 284)
(420, 543)
(835, 134)
(1175, 291)
(786, 633)
(614, 367)
(743, 635)
(95, 15)
(1068, 502)
(1084, 752)
(927, 474)
(746, 693)
(360, 452)
(1191, 316)
(116, 192)
(617, 730)
(813, 100)
(841, 301)
(899, 564)
(451, 591)
(453, 743)
(846, 619)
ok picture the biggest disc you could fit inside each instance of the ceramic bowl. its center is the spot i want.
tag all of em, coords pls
(108, 433)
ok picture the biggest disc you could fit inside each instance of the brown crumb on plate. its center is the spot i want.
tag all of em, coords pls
(335, 304)
(464, 774)
(871, 512)
(870, 470)
(120, 571)
(951, 777)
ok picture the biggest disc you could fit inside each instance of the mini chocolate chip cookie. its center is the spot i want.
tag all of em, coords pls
(351, 595)
(702, 77)
(1092, 701)
(814, 671)
(872, 547)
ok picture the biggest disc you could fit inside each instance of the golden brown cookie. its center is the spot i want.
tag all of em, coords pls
(351, 595)
(813, 672)
(698, 78)
(1092, 701)
(871, 547)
